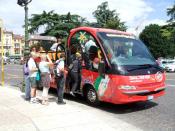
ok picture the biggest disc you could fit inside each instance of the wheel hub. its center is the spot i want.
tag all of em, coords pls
(92, 95)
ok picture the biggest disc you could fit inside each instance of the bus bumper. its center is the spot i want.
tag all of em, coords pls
(136, 96)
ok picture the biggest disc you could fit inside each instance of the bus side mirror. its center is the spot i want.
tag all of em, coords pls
(101, 69)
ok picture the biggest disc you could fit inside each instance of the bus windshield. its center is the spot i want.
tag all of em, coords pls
(125, 50)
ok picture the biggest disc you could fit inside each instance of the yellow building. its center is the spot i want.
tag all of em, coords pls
(18, 44)
(1, 33)
(8, 43)
(13, 43)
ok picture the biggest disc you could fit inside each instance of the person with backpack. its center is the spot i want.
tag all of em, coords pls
(32, 75)
(75, 70)
(27, 79)
(60, 79)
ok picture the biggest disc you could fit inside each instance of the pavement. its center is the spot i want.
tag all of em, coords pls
(16, 114)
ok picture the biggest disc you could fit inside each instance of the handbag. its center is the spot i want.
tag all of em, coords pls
(38, 76)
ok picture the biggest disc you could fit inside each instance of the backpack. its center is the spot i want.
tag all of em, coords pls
(55, 69)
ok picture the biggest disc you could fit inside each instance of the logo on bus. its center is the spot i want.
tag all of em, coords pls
(158, 76)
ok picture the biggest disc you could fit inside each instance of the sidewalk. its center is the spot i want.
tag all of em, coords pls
(16, 114)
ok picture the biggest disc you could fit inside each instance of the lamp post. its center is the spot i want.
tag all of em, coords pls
(24, 4)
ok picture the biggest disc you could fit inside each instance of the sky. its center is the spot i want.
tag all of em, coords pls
(136, 13)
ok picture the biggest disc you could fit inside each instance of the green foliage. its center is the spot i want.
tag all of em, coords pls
(108, 18)
(60, 25)
(159, 40)
(171, 13)
(55, 24)
(115, 24)
(152, 37)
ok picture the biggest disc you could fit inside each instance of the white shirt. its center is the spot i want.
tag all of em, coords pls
(60, 65)
(54, 47)
(31, 65)
(44, 67)
(89, 44)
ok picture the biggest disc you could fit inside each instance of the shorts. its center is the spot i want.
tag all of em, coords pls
(33, 82)
(45, 78)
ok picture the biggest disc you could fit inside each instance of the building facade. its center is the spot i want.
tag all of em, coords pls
(8, 43)
(18, 45)
(13, 44)
(1, 35)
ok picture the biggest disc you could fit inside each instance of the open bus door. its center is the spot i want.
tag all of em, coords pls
(54, 56)
(61, 49)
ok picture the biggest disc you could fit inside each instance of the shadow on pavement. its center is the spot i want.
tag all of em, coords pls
(108, 107)
(112, 108)
(127, 108)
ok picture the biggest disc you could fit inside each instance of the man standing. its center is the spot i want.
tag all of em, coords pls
(27, 79)
(60, 78)
(32, 75)
(54, 46)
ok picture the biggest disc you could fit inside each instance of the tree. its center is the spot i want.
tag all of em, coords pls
(154, 40)
(45, 20)
(161, 39)
(171, 13)
(170, 28)
(55, 24)
(108, 18)
(115, 24)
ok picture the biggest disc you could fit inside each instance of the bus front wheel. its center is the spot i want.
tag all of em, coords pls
(91, 96)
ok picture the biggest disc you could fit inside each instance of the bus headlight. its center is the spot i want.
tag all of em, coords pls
(127, 87)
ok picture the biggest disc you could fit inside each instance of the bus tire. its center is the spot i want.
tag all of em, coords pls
(91, 96)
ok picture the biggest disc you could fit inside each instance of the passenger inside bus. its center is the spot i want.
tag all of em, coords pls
(121, 51)
(93, 56)
(88, 44)
(54, 46)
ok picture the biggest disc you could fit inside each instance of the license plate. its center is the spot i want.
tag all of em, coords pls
(150, 97)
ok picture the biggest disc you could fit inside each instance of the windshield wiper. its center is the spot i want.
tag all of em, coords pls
(145, 66)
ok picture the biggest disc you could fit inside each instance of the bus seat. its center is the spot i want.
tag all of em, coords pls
(58, 55)
(54, 56)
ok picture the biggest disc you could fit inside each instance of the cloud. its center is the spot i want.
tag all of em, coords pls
(144, 23)
(132, 12)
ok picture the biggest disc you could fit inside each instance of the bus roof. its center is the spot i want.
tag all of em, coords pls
(39, 37)
(95, 30)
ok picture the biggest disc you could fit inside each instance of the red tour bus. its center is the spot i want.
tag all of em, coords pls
(116, 67)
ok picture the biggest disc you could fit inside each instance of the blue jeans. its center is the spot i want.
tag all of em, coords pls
(60, 88)
(27, 87)
(75, 80)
